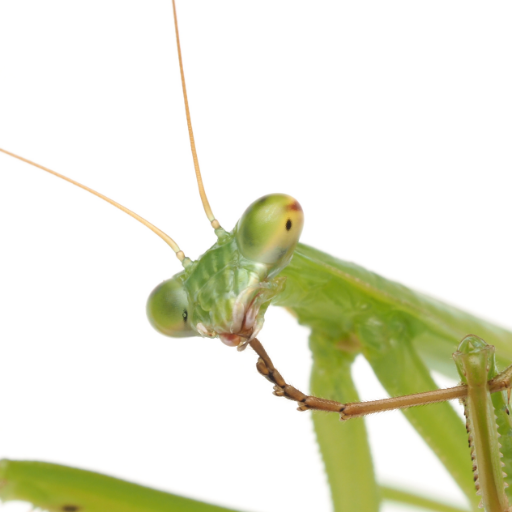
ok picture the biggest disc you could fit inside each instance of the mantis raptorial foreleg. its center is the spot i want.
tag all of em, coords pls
(475, 363)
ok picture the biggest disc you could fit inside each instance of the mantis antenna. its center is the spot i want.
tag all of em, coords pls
(202, 193)
(166, 238)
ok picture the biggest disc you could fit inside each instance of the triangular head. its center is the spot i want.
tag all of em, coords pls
(226, 292)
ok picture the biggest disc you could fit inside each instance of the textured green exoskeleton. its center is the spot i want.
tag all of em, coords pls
(402, 334)
(349, 310)
(227, 291)
(476, 365)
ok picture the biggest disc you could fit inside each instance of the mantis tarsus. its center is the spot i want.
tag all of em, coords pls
(415, 103)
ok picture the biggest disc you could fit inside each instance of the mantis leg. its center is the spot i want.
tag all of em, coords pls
(56, 488)
(501, 400)
(350, 410)
(486, 396)
(281, 388)
(387, 345)
(344, 448)
(476, 365)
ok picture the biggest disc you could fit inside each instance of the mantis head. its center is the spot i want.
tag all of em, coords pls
(227, 291)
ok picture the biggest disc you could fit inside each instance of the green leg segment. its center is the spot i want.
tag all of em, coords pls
(387, 346)
(56, 488)
(344, 446)
(407, 498)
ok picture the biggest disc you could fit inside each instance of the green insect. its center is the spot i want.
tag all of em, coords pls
(103, 340)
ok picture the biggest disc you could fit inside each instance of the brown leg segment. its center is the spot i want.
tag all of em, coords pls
(358, 409)
(281, 388)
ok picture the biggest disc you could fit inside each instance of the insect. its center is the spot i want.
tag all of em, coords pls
(350, 228)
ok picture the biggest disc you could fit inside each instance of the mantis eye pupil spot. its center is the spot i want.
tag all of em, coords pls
(185, 315)
(288, 225)
(70, 508)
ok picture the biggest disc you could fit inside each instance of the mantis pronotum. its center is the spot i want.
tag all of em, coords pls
(357, 134)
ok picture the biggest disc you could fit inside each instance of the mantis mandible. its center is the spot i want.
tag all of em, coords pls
(354, 150)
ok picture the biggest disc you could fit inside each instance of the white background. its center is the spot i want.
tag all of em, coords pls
(391, 122)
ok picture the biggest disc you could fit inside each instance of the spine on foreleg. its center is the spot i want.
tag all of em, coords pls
(492, 477)
(474, 360)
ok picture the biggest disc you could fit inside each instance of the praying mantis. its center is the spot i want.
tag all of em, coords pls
(356, 171)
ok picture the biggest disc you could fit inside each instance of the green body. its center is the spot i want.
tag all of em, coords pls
(349, 310)
(392, 55)
(403, 334)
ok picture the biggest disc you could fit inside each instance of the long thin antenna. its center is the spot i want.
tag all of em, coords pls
(166, 238)
(202, 193)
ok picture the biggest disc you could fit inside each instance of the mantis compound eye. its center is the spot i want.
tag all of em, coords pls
(270, 229)
(168, 309)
